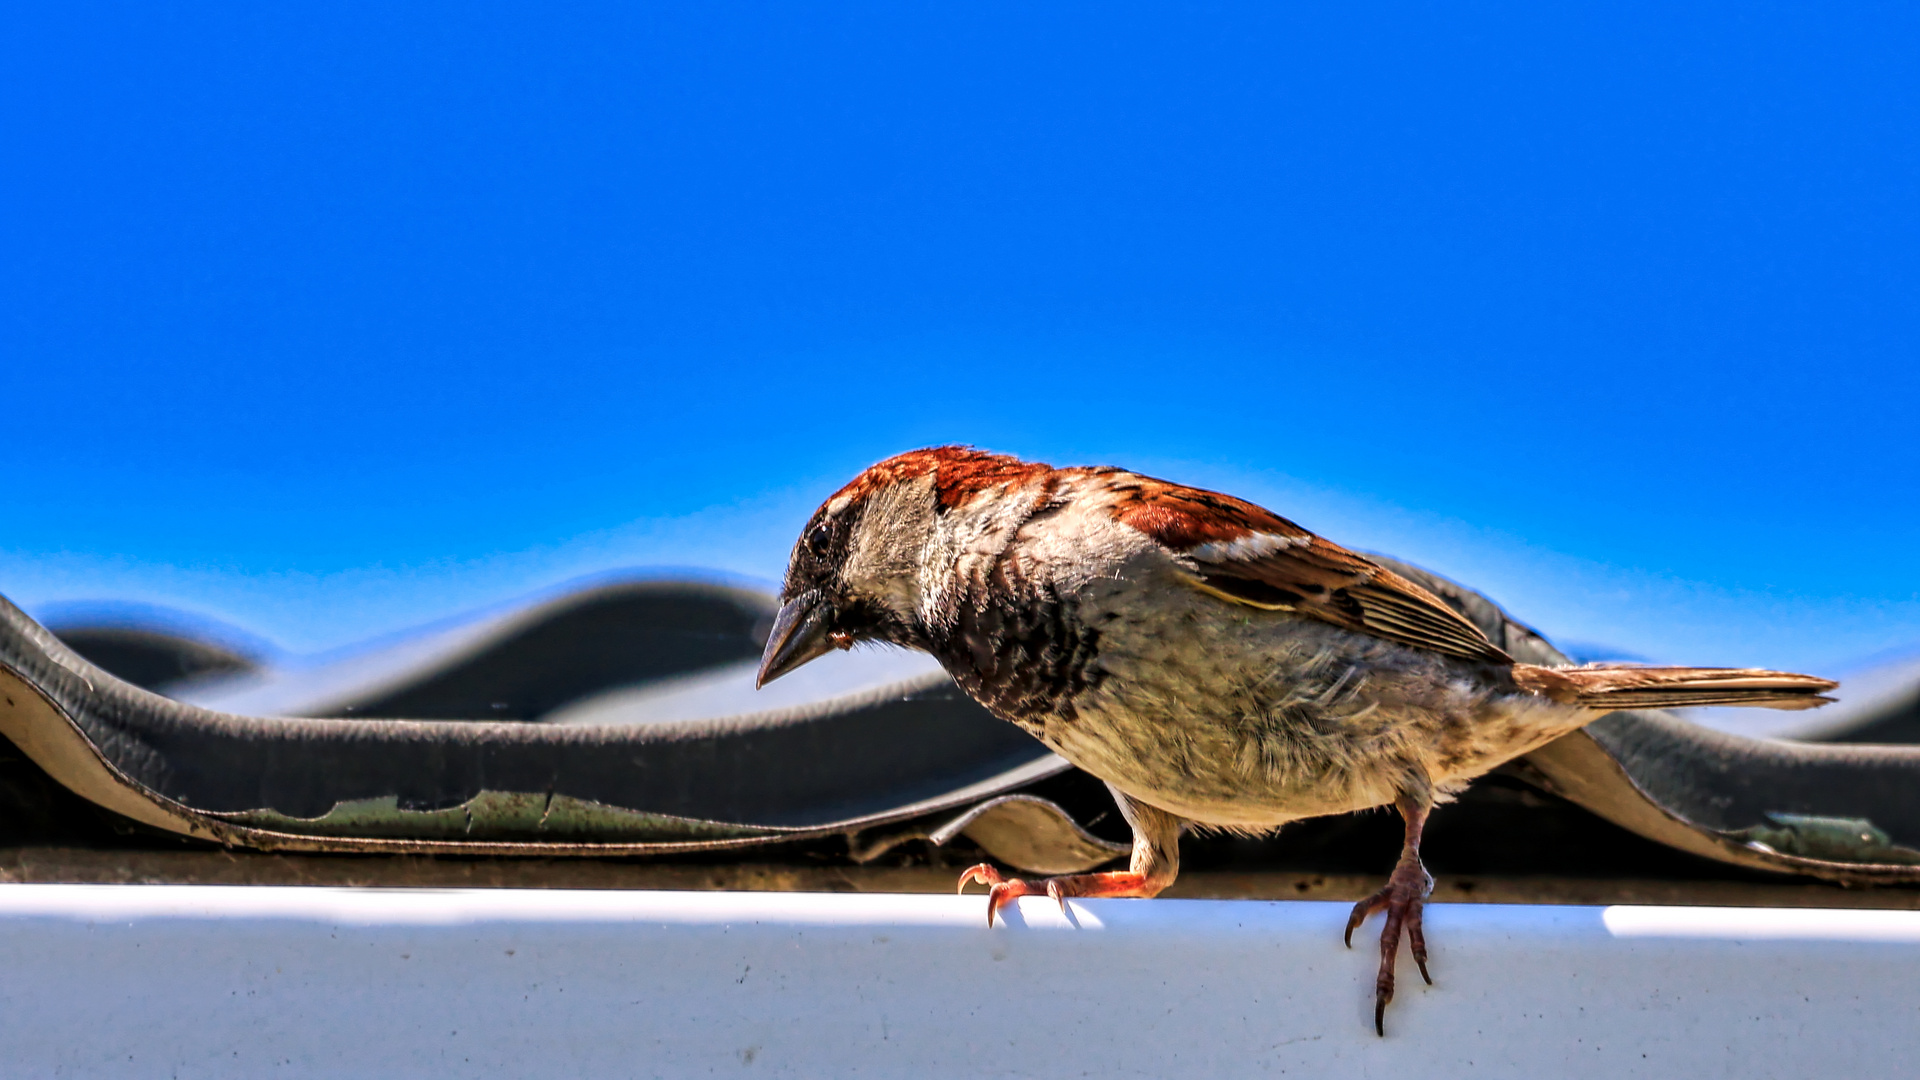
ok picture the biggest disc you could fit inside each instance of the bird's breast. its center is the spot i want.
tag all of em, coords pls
(1247, 719)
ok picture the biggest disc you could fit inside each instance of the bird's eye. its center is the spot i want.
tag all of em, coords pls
(818, 539)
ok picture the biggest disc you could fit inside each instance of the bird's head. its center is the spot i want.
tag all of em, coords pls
(862, 568)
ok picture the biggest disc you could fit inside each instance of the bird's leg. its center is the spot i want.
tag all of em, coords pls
(1406, 891)
(1156, 862)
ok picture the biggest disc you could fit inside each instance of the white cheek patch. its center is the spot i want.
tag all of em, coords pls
(1247, 548)
(884, 561)
(901, 598)
(890, 587)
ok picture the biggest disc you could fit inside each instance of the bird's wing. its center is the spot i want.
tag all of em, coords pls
(1245, 554)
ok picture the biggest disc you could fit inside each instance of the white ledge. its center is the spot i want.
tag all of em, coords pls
(217, 981)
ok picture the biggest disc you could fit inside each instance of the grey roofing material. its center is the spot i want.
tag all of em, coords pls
(503, 787)
(512, 665)
(689, 759)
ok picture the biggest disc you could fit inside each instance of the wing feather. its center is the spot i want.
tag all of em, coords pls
(1245, 554)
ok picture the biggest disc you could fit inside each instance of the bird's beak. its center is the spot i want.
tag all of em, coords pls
(799, 634)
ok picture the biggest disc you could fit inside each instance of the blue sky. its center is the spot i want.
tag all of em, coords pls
(326, 320)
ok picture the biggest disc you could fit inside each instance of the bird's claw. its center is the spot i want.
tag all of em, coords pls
(981, 874)
(1402, 899)
(1001, 891)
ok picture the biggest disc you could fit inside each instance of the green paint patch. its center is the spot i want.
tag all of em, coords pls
(1835, 839)
(497, 816)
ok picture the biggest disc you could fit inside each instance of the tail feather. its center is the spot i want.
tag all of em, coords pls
(1625, 686)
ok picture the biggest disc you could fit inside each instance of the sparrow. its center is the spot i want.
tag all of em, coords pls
(1217, 665)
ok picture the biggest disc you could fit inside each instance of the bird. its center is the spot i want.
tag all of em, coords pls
(1216, 665)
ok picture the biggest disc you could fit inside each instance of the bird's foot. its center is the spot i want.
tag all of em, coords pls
(1002, 891)
(1405, 893)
